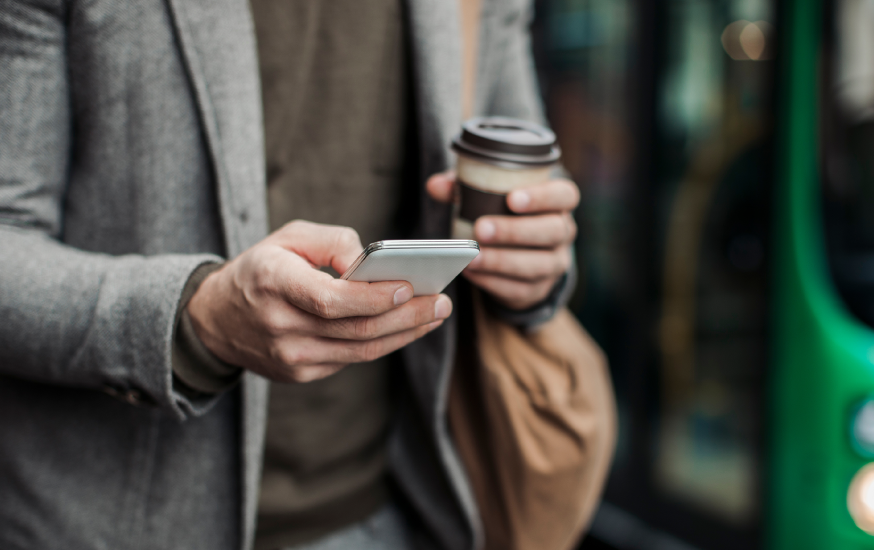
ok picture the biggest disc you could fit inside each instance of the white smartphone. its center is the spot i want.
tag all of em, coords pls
(427, 265)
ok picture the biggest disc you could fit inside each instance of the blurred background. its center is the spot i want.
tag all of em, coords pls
(725, 153)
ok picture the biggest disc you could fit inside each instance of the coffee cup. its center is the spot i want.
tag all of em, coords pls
(495, 156)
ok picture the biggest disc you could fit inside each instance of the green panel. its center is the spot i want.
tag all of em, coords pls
(823, 356)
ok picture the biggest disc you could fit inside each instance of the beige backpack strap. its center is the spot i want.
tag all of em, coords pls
(470, 18)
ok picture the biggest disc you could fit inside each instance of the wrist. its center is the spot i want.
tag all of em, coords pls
(538, 313)
(202, 311)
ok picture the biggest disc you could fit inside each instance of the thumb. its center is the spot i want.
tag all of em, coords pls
(320, 244)
(441, 187)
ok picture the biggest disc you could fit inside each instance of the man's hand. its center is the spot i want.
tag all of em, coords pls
(521, 257)
(271, 311)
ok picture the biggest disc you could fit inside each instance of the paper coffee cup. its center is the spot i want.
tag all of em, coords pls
(495, 156)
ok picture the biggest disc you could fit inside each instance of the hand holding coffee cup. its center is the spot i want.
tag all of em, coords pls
(506, 201)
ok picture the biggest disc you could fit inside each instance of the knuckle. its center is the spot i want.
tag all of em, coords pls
(424, 314)
(371, 351)
(324, 304)
(559, 228)
(288, 356)
(562, 231)
(376, 303)
(421, 317)
(295, 225)
(274, 322)
(263, 275)
(362, 328)
(347, 238)
(317, 372)
(572, 227)
(564, 260)
(573, 193)
(507, 229)
(300, 375)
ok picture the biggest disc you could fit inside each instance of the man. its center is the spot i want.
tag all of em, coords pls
(132, 164)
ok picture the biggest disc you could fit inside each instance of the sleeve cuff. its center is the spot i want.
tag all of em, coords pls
(529, 319)
(196, 370)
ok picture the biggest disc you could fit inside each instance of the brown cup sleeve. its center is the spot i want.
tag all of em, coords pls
(476, 203)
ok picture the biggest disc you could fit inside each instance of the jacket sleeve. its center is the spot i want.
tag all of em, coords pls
(532, 318)
(196, 369)
(515, 94)
(67, 316)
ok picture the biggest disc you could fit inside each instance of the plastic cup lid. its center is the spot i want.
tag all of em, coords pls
(507, 140)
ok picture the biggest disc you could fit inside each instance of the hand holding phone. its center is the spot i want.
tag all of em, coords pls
(272, 311)
(427, 265)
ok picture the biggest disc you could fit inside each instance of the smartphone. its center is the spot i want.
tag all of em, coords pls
(427, 265)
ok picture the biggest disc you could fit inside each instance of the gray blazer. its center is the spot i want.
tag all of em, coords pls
(131, 153)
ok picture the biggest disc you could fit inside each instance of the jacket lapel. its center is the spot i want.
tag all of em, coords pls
(435, 30)
(218, 44)
(436, 58)
(217, 38)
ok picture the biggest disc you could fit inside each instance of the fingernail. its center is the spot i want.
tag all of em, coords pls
(442, 307)
(519, 200)
(403, 295)
(485, 230)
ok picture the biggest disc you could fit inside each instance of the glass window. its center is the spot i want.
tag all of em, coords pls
(664, 114)
(849, 154)
(712, 176)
